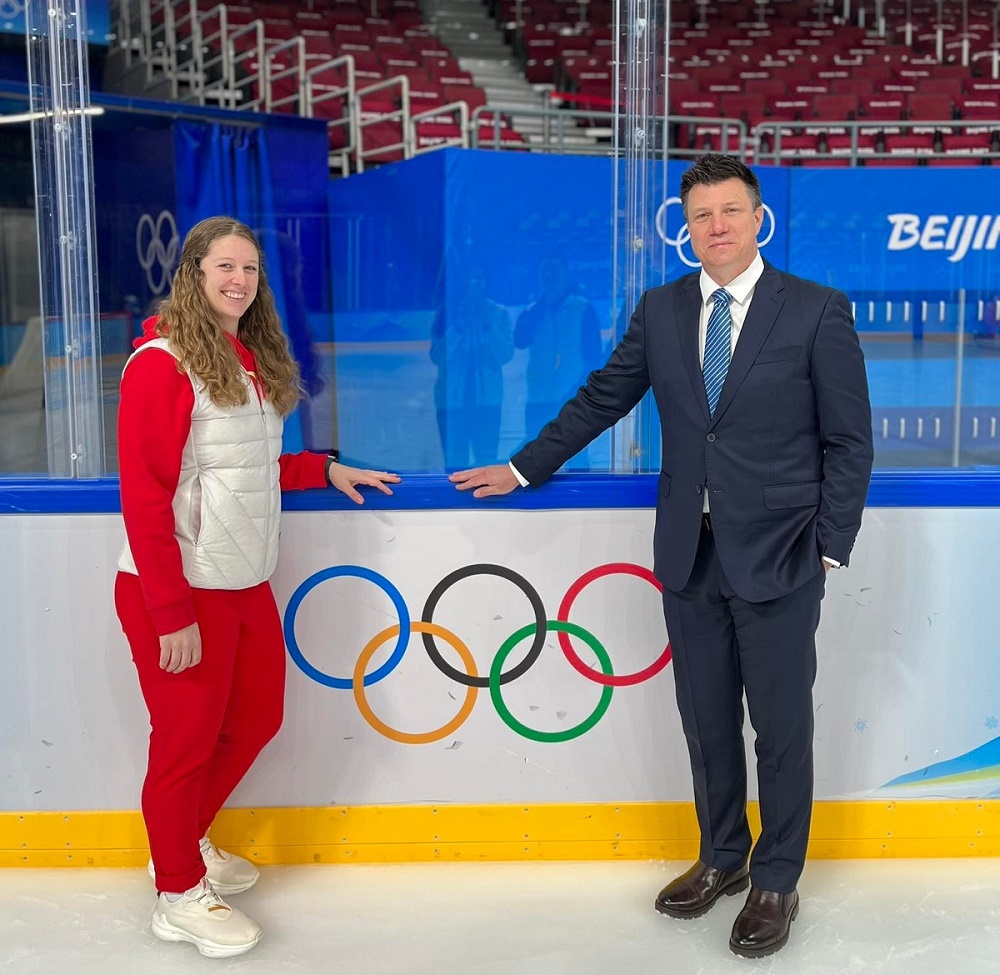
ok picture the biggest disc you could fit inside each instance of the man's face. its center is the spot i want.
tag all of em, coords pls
(723, 226)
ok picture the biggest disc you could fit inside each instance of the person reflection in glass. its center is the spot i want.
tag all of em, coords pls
(563, 336)
(471, 339)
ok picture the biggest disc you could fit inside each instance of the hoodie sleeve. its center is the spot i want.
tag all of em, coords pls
(302, 470)
(154, 420)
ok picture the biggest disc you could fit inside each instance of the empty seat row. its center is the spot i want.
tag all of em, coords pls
(886, 106)
(953, 149)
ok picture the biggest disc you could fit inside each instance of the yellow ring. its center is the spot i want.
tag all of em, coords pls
(406, 737)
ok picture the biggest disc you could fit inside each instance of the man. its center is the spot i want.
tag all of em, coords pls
(767, 452)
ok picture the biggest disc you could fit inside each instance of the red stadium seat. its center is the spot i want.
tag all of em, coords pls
(742, 106)
(841, 145)
(932, 107)
(974, 86)
(790, 108)
(795, 148)
(835, 107)
(319, 43)
(963, 150)
(810, 88)
(240, 16)
(883, 107)
(982, 105)
(940, 86)
(434, 131)
(472, 96)
(380, 134)
(904, 149)
(773, 87)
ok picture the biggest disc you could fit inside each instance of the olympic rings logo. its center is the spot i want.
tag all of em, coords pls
(11, 8)
(684, 234)
(470, 678)
(157, 252)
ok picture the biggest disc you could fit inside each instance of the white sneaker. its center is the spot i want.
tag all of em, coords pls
(202, 918)
(226, 872)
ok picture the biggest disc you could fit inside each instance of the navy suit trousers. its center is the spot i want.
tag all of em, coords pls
(722, 646)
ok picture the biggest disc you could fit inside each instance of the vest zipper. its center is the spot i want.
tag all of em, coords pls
(252, 378)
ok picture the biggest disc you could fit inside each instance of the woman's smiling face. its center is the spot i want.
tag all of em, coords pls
(232, 269)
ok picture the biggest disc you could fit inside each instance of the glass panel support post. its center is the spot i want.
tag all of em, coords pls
(64, 192)
(956, 433)
(640, 99)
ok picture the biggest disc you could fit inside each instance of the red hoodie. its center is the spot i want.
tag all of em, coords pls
(154, 420)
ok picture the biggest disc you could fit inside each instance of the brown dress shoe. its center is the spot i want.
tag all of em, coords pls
(762, 926)
(694, 892)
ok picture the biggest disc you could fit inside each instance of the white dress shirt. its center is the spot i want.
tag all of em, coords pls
(741, 288)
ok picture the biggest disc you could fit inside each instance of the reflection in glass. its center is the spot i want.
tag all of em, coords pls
(471, 339)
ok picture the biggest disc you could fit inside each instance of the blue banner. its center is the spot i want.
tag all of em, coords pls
(137, 234)
(896, 232)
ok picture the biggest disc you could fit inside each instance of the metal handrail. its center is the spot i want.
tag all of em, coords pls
(185, 40)
(402, 113)
(344, 95)
(213, 41)
(156, 49)
(129, 40)
(858, 127)
(733, 136)
(297, 72)
(236, 60)
(460, 109)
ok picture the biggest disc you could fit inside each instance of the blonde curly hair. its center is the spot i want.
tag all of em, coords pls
(194, 333)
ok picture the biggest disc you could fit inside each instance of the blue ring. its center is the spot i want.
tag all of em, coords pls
(345, 683)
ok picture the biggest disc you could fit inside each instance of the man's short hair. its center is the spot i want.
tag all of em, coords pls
(713, 168)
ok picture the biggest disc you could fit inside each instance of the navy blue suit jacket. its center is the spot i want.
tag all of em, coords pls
(787, 457)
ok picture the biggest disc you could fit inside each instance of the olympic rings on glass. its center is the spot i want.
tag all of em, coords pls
(470, 677)
(405, 737)
(345, 683)
(550, 736)
(622, 680)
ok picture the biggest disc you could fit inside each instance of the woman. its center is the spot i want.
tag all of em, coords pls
(199, 440)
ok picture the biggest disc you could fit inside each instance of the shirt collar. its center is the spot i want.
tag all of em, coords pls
(740, 287)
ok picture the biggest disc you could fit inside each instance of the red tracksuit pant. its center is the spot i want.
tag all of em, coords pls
(209, 722)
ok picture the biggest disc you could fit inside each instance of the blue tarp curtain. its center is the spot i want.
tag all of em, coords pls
(225, 169)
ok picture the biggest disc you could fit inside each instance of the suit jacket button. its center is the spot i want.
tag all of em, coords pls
(711, 438)
(698, 489)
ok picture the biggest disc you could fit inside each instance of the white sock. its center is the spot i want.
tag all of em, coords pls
(171, 897)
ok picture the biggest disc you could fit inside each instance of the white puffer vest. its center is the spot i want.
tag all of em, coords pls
(227, 507)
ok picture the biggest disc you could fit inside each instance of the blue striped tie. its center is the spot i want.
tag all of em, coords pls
(718, 339)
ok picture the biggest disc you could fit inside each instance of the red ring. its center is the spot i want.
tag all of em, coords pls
(615, 680)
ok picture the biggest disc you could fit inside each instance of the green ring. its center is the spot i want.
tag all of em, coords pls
(550, 736)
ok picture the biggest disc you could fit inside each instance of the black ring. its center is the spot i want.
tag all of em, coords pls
(485, 568)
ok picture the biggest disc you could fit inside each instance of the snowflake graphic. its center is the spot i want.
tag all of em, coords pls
(991, 722)
(860, 725)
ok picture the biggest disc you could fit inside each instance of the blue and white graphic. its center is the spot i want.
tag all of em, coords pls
(156, 247)
(895, 231)
(974, 775)
(955, 234)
